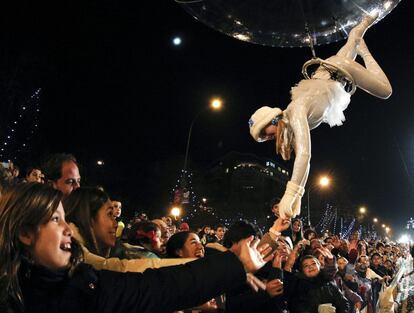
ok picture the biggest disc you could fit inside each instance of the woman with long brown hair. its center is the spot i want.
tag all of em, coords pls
(40, 269)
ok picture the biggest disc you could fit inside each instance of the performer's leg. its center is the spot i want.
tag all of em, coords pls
(349, 50)
(370, 78)
(370, 63)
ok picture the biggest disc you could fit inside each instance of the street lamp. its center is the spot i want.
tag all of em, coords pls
(215, 104)
(375, 220)
(362, 210)
(175, 211)
(324, 181)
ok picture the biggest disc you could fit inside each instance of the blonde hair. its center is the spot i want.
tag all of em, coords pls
(284, 140)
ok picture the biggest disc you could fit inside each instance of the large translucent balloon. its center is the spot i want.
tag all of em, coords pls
(285, 23)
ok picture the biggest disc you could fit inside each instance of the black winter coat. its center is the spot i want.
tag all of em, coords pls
(245, 300)
(304, 295)
(154, 291)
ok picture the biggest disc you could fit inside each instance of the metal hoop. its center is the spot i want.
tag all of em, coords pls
(344, 73)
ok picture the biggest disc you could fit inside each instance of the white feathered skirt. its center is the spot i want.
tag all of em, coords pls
(326, 100)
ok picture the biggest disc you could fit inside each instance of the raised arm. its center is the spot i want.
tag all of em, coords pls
(176, 287)
(297, 115)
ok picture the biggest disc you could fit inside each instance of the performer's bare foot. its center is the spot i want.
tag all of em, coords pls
(358, 31)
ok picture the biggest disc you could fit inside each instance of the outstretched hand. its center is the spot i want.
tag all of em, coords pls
(285, 206)
(279, 259)
(289, 206)
(336, 242)
(252, 258)
(325, 252)
(274, 287)
(254, 282)
(281, 224)
(294, 254)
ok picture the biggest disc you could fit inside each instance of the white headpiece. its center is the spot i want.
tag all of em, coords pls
(260, 119)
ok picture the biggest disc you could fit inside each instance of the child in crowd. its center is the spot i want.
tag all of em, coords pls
(41, 268)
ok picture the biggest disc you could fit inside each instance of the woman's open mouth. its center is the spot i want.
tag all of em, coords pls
(66, 246)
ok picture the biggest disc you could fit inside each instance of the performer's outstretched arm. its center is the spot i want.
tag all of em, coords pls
(290, 204)
(298, 121)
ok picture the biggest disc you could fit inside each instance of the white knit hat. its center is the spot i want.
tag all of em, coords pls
(260, 119)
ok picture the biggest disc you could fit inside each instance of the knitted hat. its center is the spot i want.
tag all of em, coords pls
(184, 227)
(260, 119)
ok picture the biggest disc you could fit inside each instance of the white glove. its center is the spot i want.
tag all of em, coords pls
(326, 308)
(298, 201)
(289, 206)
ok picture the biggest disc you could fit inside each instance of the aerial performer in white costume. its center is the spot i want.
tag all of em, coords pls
(320, 99)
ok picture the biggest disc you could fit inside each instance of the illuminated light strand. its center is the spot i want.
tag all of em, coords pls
(184, 181)
(325, 217)
(30, 108)
(348, 231)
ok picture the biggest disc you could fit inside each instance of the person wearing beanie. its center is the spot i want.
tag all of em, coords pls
(320, 99)
(184, 227)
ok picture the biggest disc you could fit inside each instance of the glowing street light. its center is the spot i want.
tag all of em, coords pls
(362, 210)
(100, 163)
(387, 229)
(324, 181)
(375, 220)
(216, 103)
(176, 212)
(383, 226)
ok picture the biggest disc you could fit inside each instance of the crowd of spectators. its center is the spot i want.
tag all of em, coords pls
(305, 272)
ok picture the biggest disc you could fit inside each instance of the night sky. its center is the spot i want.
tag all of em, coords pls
(114, 87)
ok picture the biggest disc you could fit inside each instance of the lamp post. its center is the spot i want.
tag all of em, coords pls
(216, 105)
(324, 181)
(364, 224)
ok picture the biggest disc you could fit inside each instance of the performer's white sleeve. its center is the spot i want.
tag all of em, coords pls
(298, 122)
